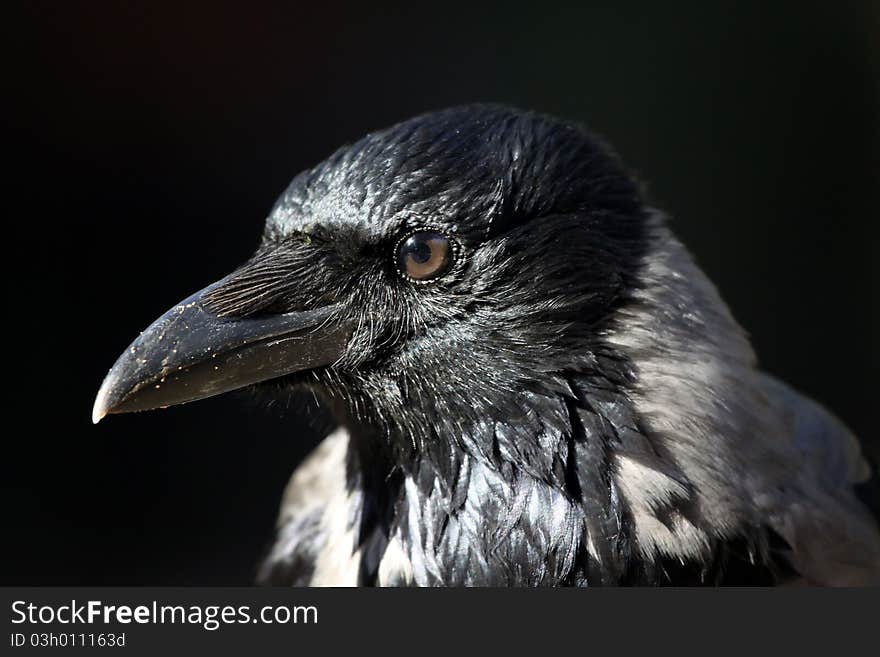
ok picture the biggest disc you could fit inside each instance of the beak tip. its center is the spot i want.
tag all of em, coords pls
(97, 415)
(100, 408)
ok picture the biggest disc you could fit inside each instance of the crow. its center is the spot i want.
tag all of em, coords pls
(534, 383)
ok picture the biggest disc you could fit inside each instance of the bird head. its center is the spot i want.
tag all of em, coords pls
(425, 278)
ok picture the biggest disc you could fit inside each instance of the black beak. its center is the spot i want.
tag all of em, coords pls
(191, 353)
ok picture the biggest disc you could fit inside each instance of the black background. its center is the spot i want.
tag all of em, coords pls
(149, 143)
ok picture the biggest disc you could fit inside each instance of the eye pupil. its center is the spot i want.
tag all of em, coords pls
(424, 255)
(421, 253)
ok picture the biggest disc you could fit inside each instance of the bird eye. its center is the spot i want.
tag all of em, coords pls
(424, 255)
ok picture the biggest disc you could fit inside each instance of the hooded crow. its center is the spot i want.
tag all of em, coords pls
(533, 381)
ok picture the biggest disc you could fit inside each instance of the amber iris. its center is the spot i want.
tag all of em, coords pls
(424, 255)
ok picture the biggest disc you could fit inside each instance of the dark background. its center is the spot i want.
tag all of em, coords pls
(148, 145)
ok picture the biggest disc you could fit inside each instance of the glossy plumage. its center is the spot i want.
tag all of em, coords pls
(570, 403)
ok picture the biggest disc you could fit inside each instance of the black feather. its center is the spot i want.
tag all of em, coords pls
(483, 405)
